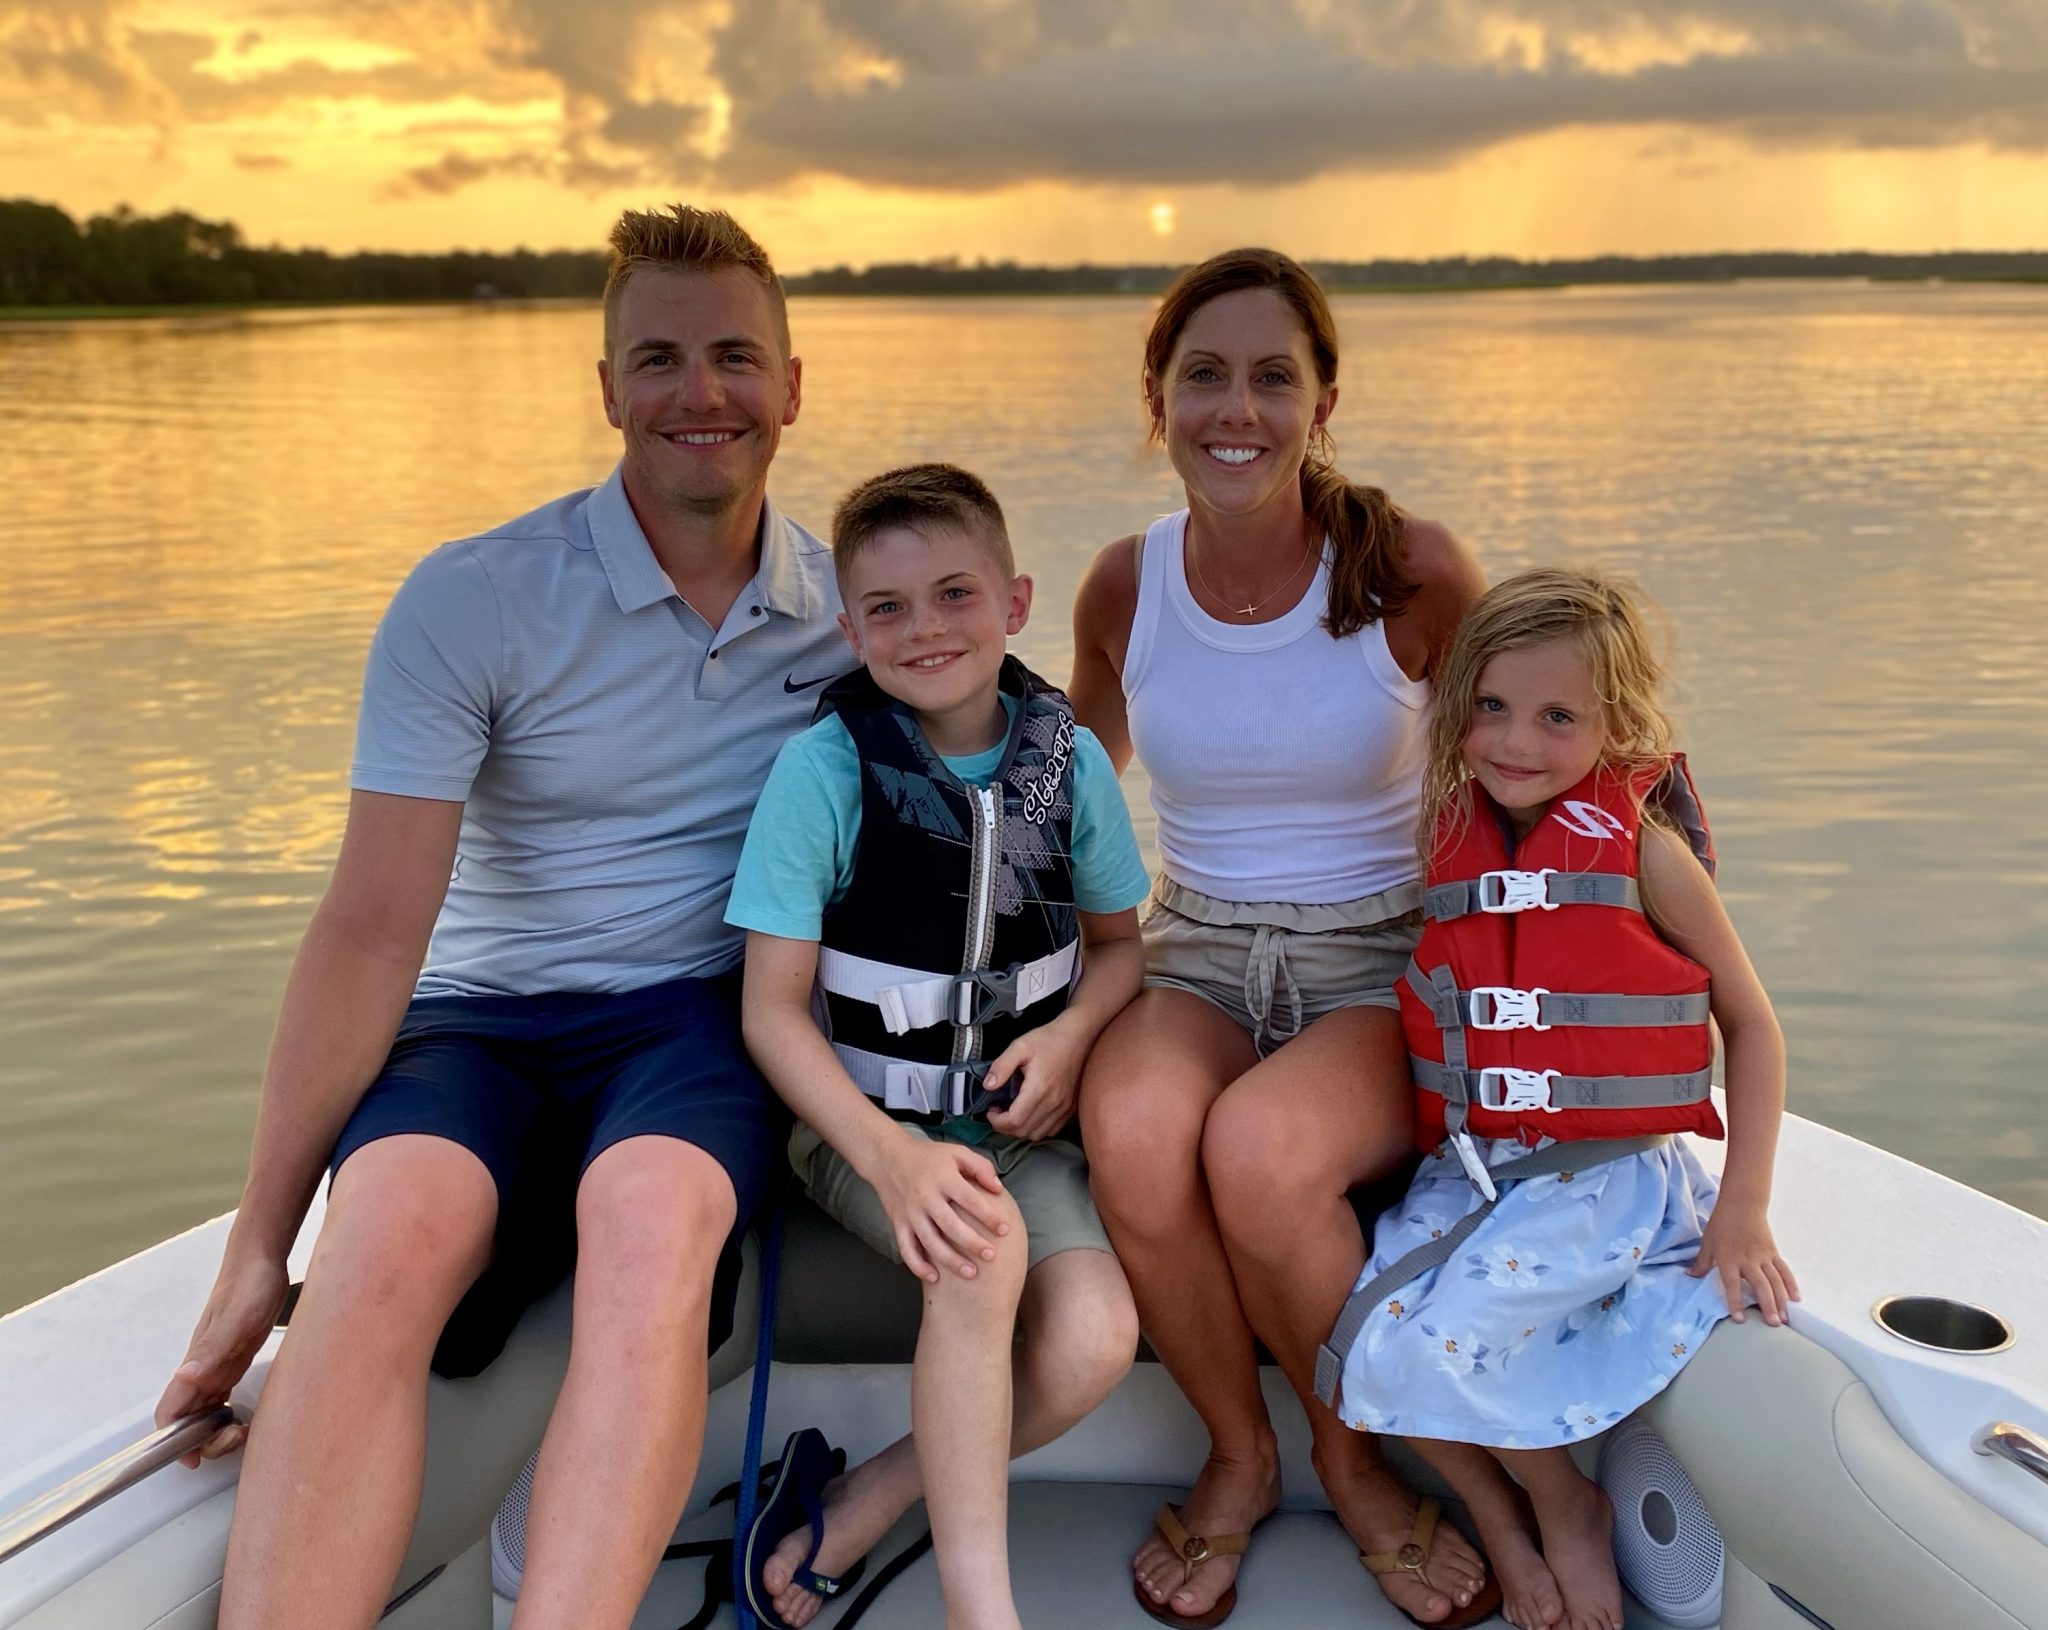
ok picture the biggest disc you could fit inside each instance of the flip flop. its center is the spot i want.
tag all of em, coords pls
(796, 1497)
(1193, 1550)
(1414, 1558)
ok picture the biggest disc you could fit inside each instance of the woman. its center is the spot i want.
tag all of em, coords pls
(1266, 653)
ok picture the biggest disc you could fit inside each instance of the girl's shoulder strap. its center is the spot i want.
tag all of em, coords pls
(1677, 797)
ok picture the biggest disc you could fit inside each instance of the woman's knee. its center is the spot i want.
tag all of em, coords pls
(1254, 1155)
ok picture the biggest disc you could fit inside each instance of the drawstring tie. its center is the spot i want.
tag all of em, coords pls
(1265, 975)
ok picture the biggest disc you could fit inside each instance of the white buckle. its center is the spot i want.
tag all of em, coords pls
(1508, 1008)
(1517, 1089)
(1515, 891)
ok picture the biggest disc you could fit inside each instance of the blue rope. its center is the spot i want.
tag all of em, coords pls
(757, 1411)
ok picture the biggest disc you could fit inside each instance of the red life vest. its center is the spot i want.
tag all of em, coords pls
(1540, 995)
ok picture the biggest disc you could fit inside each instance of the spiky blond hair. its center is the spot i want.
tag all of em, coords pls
(1604, 619)
(684, 238)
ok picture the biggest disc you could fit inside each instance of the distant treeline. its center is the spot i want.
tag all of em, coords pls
(1459, 272)
(126, 259)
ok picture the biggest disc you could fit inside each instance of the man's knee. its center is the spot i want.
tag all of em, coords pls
(408, 1228)
(654, 1211)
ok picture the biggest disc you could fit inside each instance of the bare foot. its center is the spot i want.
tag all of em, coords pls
(1530, 1598)
(1230, 1497)
(859, 1509)
(1378, 1512)
(1578, 1543)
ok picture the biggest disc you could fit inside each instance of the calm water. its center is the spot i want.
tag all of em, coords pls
(1840, 493)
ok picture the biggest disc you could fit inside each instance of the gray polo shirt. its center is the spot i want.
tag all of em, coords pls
(606, 743)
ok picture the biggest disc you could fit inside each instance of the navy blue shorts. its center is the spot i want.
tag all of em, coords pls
(537, 1087)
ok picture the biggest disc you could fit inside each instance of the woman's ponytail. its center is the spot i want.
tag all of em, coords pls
(1363, 524)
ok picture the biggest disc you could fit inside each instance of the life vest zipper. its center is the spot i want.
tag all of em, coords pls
(987, 856)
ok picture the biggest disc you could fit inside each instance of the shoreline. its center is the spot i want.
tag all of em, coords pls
(222, 308)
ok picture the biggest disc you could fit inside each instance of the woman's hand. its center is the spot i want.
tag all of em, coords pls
(941, 1201)
(1738, 1243)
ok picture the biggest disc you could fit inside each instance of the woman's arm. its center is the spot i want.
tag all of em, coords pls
(1448, 580)
(1687, 911)
(1103, 608)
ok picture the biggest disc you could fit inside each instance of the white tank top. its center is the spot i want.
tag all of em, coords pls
(1285, 765)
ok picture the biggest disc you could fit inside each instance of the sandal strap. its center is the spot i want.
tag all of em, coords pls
(824, 1584)
(1412, 1557)
(1195, 1549)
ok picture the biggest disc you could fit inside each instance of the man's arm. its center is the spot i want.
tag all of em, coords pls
(349, 987)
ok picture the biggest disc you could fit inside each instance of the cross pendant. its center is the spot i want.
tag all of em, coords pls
(1246, 611)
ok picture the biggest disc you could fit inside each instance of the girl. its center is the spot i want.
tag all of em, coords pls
(1550, 1267)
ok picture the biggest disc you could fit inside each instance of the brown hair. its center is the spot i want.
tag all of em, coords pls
(922, 497)
(1362, 523)
(684, 238)
(1604, 620)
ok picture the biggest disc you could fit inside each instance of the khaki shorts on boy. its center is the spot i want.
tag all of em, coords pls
(1048, 1180)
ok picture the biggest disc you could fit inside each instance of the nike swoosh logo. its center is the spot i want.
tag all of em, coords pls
(792, 684)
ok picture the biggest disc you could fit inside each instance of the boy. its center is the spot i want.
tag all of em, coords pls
(945, 799)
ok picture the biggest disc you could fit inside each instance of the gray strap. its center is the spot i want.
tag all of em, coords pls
(1449, 901)
(1445, 987)
(1558, 1157)
(1455, 1008)
(1622, 1012)
(1574, 1091)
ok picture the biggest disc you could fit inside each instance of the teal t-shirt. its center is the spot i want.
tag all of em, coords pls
(798, 857)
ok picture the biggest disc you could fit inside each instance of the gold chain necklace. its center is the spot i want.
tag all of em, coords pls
(1252, 609)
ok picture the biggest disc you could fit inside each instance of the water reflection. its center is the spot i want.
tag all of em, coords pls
(1837, 491)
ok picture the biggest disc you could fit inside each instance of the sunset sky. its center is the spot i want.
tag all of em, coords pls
(1049, 130)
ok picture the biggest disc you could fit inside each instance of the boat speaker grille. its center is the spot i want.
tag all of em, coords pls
(1665, 1542)
(508, 1533)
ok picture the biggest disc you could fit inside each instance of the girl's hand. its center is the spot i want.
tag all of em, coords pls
(940, 1198)
(1738, 1242)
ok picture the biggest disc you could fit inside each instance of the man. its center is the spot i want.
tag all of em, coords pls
(513, 1021)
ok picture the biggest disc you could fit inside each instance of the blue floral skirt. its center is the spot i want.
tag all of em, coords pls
(1567, 1307)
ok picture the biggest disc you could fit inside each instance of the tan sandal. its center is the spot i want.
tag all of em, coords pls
(1193, 1550)
(1414, 1556)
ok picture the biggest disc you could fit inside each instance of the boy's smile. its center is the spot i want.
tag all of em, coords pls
(930, 615)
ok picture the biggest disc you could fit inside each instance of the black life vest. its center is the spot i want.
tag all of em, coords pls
(958, 931)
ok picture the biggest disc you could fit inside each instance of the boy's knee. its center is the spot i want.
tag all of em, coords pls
(1083, 1325)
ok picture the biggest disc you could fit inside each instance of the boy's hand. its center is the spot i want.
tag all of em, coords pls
(1737, 1241)
(1046, 1065)
(939, 1197)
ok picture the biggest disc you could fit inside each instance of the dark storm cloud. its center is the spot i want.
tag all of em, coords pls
(1288, 112)
(982, 93)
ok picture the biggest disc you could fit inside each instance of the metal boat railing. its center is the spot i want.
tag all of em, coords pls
(123, 1469)
(2026, 1450)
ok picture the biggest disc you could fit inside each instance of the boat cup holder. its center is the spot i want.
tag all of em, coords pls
(1944, 1325)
